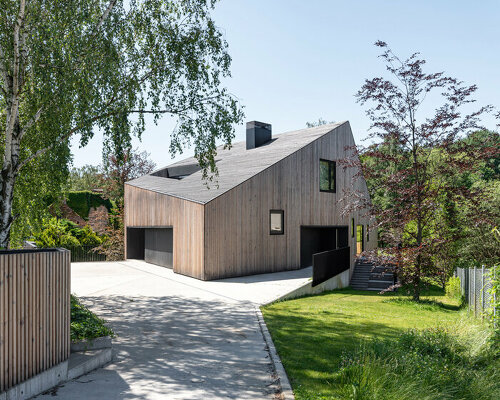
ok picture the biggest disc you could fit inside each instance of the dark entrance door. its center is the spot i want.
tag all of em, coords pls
(153, 245)
(158, 246)
(317, 239)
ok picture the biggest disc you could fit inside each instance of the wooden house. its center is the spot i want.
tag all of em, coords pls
(275, 203)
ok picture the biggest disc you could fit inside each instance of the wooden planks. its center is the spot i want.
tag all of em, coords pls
(144, 208)
(237, 239)
(34, 313)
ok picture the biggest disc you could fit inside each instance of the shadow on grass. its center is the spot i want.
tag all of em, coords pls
(423, 304)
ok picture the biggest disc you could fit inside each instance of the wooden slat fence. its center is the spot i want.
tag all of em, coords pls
(34, 313)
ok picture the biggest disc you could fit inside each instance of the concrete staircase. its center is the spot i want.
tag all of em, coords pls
(367, 276)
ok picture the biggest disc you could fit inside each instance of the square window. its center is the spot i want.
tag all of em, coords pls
(327, 174)
(277, 222)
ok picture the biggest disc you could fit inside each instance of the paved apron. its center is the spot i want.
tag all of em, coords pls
(178, 338)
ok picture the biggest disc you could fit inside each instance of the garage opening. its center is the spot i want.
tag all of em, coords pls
(317, 239)
(153, 245)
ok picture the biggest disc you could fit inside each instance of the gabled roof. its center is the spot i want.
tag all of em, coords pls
(235, 166)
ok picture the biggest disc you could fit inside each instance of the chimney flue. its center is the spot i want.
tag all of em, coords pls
(258, 133)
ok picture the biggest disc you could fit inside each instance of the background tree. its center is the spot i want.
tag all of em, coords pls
(116, 171)
(319, 122)
(412, 157)
(70, 67)
(87, 177)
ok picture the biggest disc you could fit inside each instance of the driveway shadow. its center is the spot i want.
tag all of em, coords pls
(184, 348)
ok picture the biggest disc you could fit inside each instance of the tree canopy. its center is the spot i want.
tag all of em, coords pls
(414, 156)
(71, 67)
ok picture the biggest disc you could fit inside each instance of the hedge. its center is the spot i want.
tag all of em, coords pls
(81, 202)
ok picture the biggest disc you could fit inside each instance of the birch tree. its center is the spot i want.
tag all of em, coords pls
(70, 67)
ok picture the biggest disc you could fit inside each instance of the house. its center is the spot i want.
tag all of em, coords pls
(274, 205)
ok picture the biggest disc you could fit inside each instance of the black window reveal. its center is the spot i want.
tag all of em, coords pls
(277, 222)
(327, 173)
(352, 227)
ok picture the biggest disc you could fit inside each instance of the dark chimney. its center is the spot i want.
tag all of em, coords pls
(258, 133)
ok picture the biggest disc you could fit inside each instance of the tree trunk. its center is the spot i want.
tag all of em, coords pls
(7, 180)
(418, 266)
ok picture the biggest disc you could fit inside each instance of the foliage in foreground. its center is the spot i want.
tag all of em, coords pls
(85, 325)
(427, 364)
(69, 69)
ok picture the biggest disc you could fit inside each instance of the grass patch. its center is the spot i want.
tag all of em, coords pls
(349, 344)
(85, 325)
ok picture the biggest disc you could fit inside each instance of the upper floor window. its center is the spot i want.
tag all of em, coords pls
(327, 171)
(277, 222)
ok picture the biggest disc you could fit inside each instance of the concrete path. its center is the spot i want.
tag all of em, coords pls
(178, 338)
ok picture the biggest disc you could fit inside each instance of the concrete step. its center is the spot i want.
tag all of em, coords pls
(379, 284)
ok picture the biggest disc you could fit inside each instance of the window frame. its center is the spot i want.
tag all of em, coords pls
(353, 228)
(282, 213)
(330, 165)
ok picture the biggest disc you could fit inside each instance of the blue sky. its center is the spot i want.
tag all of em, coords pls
(297, 60)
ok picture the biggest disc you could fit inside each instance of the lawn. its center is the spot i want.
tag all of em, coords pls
(318, 336)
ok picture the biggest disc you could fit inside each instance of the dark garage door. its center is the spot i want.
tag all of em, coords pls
(158, 246)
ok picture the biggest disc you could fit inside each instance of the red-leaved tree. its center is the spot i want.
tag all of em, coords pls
(412, 154)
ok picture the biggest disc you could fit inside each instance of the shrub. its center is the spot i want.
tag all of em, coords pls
(85, 325)
(453, 289)
(63, 233)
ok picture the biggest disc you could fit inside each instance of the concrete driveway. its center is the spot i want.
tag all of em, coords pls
(178, 338)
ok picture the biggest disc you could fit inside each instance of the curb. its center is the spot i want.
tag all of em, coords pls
(83, 363)
(284, 383)
(103, 342)
(77, 365)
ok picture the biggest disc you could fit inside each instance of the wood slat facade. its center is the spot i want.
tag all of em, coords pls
(34, 313)
(229, 235)
(144, 208)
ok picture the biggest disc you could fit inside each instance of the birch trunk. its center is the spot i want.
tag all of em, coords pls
(7, 181)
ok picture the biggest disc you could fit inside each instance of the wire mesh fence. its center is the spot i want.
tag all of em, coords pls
(476, 284)
(85, 253)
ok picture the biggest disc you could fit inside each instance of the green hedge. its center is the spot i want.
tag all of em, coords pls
(82, 202)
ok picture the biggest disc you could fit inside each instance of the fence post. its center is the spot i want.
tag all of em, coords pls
(474, 293)
(468, 288)
(482, 291)
(494, 299)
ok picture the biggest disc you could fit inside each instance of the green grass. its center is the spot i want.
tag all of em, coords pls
(350, 344)
(85, 325)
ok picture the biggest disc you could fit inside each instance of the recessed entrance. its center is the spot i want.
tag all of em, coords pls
(153, 245)
(316, 239)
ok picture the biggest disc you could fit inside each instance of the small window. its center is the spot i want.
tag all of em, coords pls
(352, 227)
(277, 222)
(367, 233)
(327, 172)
